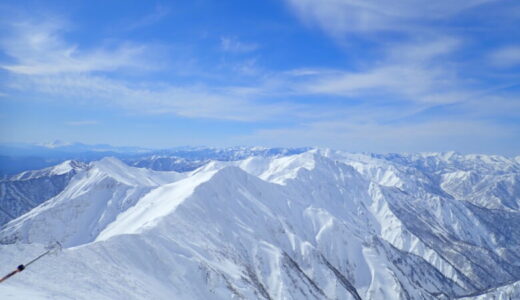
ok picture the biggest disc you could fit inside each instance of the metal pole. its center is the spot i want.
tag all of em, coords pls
(22, 267)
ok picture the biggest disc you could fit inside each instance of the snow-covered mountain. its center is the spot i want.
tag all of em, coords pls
(184, 159)
(15, 158)
(22, 192)
(321, 224)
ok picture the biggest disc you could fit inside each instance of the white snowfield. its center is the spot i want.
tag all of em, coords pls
(323, 224)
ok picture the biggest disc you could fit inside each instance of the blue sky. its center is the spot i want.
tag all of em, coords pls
(373, 75)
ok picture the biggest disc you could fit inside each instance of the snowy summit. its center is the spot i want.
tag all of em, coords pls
(321, 224)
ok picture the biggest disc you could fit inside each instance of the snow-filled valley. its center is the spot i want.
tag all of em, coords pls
(321, 224)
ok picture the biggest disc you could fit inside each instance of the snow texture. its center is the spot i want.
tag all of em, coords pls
(321, 224)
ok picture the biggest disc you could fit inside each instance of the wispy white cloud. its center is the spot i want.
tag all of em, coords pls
(82, 123)
(232, 44)
(246, 67)
(409, 71)
(196, 101)
(415, 84)
(408, 78)
(39, 48)
(423, 52)
(342, 16)
(46, 63)
(506, 57)
(160, 12)
(438, 135)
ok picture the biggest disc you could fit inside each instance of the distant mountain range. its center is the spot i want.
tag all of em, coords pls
(19, 157)
(259, 223)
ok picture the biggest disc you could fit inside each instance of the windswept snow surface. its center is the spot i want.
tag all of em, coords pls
(322, 224)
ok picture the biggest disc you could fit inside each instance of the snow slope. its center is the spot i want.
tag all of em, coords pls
(318, 225)
(91, 201)
(506, 292)
(22, 192)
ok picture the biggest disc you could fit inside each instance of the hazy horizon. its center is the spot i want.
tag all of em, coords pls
(59, 144)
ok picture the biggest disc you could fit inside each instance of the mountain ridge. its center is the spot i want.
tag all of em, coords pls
(322, 224)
